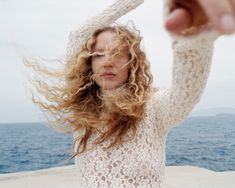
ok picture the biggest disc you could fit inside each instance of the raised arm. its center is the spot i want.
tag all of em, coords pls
(110, 14)
(192, 57)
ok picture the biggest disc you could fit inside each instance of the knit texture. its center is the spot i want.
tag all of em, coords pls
(141, 162)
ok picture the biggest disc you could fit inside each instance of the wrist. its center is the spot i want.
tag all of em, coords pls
(193, 30)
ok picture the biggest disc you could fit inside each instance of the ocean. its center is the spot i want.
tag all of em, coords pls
(207, 142)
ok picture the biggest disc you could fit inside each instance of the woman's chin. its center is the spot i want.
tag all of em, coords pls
(110, 88)
(106, 88)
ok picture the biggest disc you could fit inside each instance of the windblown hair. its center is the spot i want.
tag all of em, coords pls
(76, 102)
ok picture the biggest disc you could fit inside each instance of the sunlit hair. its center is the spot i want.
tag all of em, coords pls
(75, 102)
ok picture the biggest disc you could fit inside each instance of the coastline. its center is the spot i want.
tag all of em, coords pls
(65, 176)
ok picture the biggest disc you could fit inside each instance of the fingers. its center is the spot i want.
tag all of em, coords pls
(221, 13)
(178, 20)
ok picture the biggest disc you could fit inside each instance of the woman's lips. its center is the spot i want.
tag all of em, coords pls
(109, 75)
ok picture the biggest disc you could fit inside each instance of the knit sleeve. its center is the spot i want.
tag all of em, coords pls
(192, 57)
(104, 18)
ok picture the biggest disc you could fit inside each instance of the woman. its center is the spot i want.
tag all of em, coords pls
(119, 121)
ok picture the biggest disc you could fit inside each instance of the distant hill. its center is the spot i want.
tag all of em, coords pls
(223, 111)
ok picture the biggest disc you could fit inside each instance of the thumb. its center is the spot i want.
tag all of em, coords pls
(178, 20)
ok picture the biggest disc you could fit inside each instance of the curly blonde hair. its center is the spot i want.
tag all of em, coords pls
(76, 103)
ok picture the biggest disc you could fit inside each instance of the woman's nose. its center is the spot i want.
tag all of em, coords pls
(108, 61)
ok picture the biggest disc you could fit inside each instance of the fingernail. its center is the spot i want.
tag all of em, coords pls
(228, 23)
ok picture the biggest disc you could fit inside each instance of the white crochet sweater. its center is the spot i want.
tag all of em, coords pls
(141, 162)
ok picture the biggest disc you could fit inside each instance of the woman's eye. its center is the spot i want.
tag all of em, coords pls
(97, 55)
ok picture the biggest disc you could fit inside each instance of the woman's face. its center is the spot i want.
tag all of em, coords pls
(109, 73)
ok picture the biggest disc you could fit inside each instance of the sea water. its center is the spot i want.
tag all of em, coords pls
(207, 142)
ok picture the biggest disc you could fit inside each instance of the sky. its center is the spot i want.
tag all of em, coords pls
(41, 29)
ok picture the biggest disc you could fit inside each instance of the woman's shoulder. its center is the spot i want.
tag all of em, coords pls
(152, 97)
(157, 98)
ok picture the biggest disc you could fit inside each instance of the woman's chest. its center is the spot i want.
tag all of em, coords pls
(144, 154)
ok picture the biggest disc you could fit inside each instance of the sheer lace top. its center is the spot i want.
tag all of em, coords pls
(141, 162)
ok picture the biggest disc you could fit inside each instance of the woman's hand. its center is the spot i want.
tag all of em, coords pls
(195, 13)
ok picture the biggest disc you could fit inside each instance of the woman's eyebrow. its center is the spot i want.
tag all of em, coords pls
(107, 48)
(99, 50)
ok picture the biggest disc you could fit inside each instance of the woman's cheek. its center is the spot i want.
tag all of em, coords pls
(94, 65)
